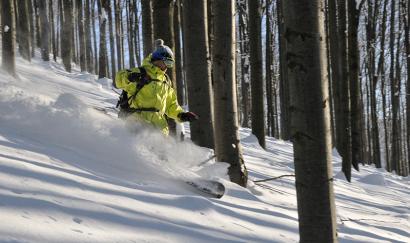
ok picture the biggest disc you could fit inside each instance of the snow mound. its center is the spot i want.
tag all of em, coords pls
(374, 179)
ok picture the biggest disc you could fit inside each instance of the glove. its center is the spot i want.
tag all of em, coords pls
(188, 116)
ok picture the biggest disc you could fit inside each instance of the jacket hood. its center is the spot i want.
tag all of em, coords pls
(153, 71)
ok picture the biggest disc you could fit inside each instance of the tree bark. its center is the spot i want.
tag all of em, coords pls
(244, 54)
(102, 71)
(147, 26)
(67, 33)
(258, 114)
(178, 52)
(111, 31)
(354, 84)
(198, 72)
(346, 141)
(381, 74)
(305, 40)
(118, 34)
(45, 31)
(24, 30)
(284, 95)
(227, 143)
(8, 36)
(81, 35)
(93, 19)
(53, 31)
(88, 45)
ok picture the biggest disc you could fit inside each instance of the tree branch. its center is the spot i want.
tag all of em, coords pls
(273, 178)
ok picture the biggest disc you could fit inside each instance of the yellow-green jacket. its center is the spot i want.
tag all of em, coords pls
(158, 94)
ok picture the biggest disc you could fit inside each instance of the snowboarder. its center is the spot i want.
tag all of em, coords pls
(147, 91)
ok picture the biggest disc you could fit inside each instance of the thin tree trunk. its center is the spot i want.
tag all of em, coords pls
(8, 36)
(394, 89)
(227, 143)
(354, 84)
(102, 71)
(118, 33)
(346, 142)
(81, 35)
(244, 54)
(112, 44)
(147, 27)
(24, 31)
(178, 51)
(37, 23)
(284, 84)
(130, 27)
(381, 74)
(67, 33)
(45, 31)
(53, 31)
(406, 23)
(373, 79)
(88, 45)
(94, 36)
(257, 113)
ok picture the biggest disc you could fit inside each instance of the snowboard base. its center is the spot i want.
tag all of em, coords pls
(210, 188)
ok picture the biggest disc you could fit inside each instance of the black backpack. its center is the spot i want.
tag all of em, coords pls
(141, 80)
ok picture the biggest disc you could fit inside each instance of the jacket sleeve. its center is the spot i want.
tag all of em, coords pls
(122, 82)
(173, 108)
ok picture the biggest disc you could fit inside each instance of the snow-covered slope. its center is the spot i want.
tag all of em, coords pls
(71, 173)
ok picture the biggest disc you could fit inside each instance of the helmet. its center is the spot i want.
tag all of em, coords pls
(163, 53)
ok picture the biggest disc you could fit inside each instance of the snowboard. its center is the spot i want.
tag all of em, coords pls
(208, 188)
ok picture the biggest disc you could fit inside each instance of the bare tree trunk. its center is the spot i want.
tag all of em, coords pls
(335, 63)
(354, 84)
(31, 23)
(244, 54)
(406, 23)
(94, 35)
(8, 36)
(284, 84)
(81, 35)
(67, 33)
(37, 23)
(88, 45)
(346, 142)
(118, 33)
(102, 71)
(394, 89)
(24, 31)
(147, 27)
(227, 143)
(45, 37)
(373, 11)
(178, 52)
(110, 29)
(304, 20)
(269, 69)
(53, 31)
(137, 39)
(381, 73)
(130, 35)
(258, 114)
(198, 71)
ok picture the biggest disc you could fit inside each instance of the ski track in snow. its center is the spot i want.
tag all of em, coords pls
(70, 173)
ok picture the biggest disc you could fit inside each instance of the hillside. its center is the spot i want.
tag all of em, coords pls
(71, 173)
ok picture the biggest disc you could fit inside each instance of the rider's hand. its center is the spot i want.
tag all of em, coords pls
(188, 116)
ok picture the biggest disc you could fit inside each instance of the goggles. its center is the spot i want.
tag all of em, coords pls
(169, 62)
